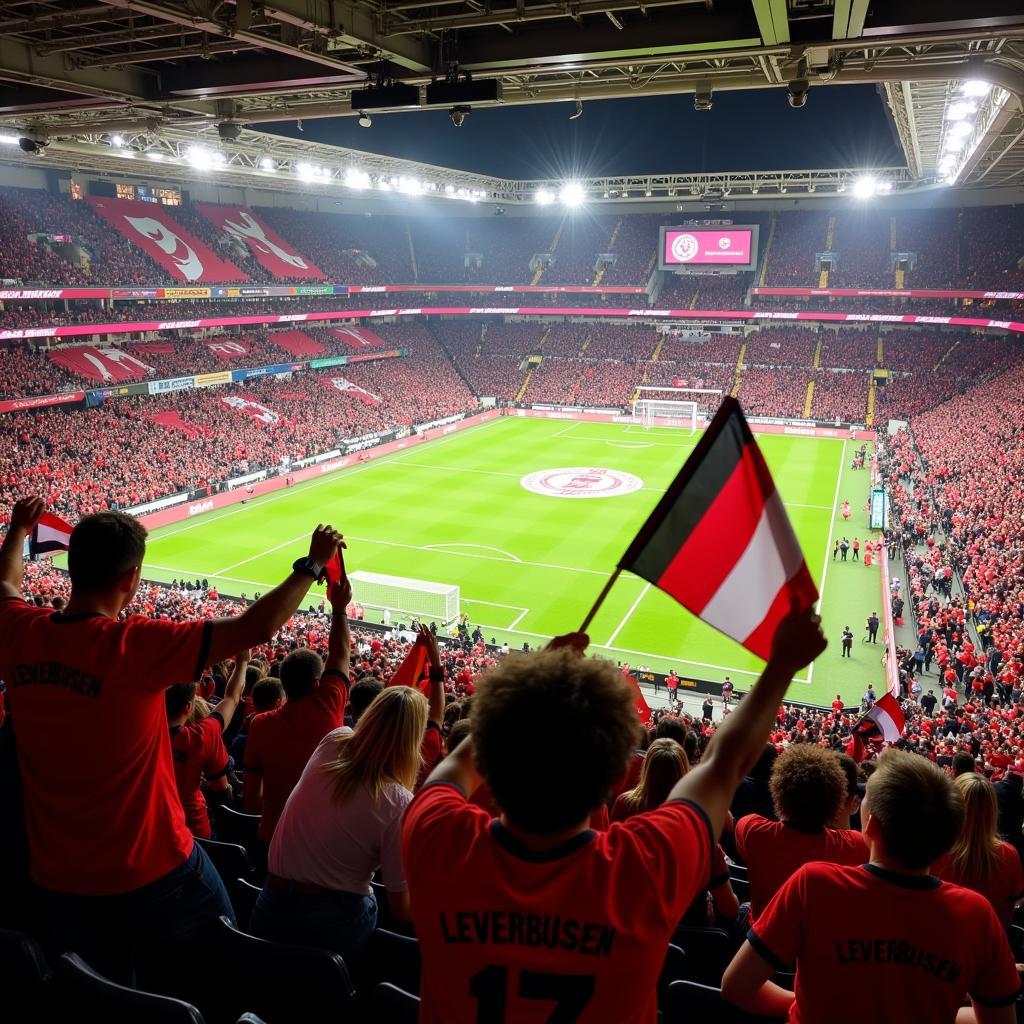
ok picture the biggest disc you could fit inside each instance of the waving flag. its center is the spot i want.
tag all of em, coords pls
(50, 534)
(643, 709)
(883, 721)
(415, 668)
(720, 542)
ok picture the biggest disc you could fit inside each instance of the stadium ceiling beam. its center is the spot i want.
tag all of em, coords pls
(351, 26)
(205, 21)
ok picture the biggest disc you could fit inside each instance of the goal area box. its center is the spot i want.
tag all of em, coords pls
(424, 599)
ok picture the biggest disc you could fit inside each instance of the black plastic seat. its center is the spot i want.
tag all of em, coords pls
(393, 958)
(86, 995)
(26, 979)
(673, 969)
(230, 859)
(689, 1001)
(243, 898)
(391, 1004)
(280, 984)
(235, 827)
(708, 952)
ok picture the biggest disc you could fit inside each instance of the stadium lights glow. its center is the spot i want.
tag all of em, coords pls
(410, 186)
(117, 141)
(450, 189)
(842, 187)
(572, 194)
(8, 140)
(543, 197)
(960, 129)
(268, 164)
(204, 159)
(355, 178)
(885, 186)
(864, 188)
(961, 110)
(976, 89)
(155, 155)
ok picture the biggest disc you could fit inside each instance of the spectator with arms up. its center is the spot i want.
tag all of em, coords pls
(885, 931)
(281, 741)
(198, 746)
(535, 914)
(113, 861)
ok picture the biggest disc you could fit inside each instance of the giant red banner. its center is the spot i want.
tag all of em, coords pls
(228, 349)
(181, 254)
(272, 252)
(357, 337)
(298, 343)
(106, 364)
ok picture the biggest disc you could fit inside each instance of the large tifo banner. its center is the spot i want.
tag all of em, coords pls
(357, 337)
(250, 407)
(106, 364)
(271, 251)
(227, 349)
(181, 254)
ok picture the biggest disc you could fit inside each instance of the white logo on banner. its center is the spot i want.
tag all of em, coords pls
(581, 482)
(229, 348)
(99, 358)
(188, 263)
(724, 242)
(253, 232)
(684, 248)
(251, 408)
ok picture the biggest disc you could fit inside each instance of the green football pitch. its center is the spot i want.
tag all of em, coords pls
(457, 510)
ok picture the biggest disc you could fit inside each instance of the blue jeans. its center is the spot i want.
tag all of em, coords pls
(339, 921)
(108, 932)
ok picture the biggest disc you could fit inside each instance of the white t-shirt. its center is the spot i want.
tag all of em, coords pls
(339, 846)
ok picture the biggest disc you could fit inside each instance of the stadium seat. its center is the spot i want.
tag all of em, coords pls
(393, 958)
(26, 979)
(230, 859)
(389, 1003)
(250, 1018)
(690, 1002)
(318, 984)
(673, 969)
(86, 995)
(243, 898)
(235, 827)
(740, 886)
(708, 952)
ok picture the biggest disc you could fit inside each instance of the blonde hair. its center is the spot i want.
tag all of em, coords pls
(973, 856)
(384, 747)
(664, 765)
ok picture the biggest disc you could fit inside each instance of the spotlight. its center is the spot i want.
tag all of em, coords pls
(796, 92)
(267, 164)
(543, 197)
(228, 131)
(572, 194)
(458, 115)
(117, 141)
(31, 145)
(976, 89)
(865, 188)
(702, 99)
(365, 121)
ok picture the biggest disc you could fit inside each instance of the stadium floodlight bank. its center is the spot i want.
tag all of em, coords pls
(682, 410)
(437, 602)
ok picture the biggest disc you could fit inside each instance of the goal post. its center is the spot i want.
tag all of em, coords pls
(438, 602)
(674, 407)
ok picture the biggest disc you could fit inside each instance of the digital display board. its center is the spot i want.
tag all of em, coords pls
(683, 247)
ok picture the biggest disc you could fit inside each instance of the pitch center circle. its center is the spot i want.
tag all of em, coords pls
(581, 482)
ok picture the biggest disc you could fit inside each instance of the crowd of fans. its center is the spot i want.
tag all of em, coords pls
(774, 390)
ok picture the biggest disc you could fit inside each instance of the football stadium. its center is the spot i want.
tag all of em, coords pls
(511, 513)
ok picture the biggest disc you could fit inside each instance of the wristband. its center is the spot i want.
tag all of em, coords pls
(309, 566)
(436, 675)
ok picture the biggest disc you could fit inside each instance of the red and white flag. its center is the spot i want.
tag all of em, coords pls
(252, 408)
(344, 384)
(720, 542)
(49, 535)
(883, 723)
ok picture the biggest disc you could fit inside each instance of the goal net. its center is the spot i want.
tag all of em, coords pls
(674, 407)
(398, 595)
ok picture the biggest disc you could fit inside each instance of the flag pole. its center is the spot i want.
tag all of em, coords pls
(600, 599)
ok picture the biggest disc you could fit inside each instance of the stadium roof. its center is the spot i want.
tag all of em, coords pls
(77, 74)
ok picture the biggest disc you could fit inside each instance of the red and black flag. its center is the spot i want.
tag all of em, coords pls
(49, 535)
(720, 542)
(882, 723)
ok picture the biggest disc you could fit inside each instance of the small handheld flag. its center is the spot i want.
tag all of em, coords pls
(49, 535)
(643, 709)
(720, 542)
(415, 668)
(883, 721)
(334, 570)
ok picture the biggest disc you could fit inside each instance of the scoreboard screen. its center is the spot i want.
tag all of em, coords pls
(683, 247)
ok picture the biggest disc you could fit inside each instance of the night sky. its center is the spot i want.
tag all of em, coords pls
(841, 126)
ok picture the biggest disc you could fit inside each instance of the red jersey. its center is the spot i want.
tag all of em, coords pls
(1002, 890)
(575, 933)
(431, 752)
(773, 850)
(911, 947)
(282, 741)
(199, 753)
(86, 694)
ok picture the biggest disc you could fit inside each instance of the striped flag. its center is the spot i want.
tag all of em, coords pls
(50, 534)
(883, 722)
(720, 542)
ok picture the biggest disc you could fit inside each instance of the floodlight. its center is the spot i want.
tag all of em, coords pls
(365, 121)
(976, 89)
(543, 197)
(864, 188)
(959, 111)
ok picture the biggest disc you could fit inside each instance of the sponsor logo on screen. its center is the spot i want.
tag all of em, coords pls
(581, 482)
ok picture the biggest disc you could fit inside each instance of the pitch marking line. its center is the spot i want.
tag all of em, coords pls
(460, 469)
(625, 618)
(828, 543)
(509, 557)
(348, 471)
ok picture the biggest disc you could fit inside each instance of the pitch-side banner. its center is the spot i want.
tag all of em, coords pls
(271, 251)
(889, 293)
(594, 312)
(180, 253)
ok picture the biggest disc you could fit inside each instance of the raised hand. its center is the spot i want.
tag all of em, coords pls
(340, 594)
(577, 642)
(324, 542)
(798, 641)
(26, 513)
(430, 642)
